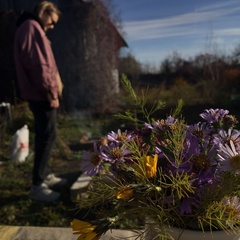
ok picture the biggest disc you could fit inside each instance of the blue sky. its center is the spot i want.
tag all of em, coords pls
(157, 28)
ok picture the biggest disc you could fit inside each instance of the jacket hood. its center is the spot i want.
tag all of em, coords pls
(26, 16)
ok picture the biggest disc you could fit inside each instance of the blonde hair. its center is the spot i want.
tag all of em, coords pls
(46, 7)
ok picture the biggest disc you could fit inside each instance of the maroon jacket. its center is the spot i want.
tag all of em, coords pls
(35, 63)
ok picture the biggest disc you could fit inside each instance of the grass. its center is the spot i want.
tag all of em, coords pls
(18, 209)
(15, 179)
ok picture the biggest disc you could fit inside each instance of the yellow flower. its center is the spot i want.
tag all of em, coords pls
(85, 229)
(150, 165)
(124, 193)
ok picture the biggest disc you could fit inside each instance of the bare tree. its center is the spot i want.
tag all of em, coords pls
(131, 67)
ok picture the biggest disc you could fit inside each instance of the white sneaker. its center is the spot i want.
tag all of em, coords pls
(43, 193)
(55, 182)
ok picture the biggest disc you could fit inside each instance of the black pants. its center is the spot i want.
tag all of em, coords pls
(45, 136)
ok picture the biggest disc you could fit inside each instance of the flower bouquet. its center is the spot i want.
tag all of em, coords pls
(174, 173)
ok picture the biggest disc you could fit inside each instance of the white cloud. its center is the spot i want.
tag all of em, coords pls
(217, 5)
(228, 32)
(183, 25)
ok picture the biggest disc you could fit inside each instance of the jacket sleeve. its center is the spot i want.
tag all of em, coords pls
(39, 60)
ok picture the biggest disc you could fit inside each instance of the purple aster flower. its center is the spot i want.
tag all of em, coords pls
(224, 137)
(232, 206)
(191, 146)
(197, 155)
(229, 158)
(115, 153)
(204, 176)
(120, 136)
(92, 163)
(200, 130)
(198, 181)
(162, 124)
(214, 115)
